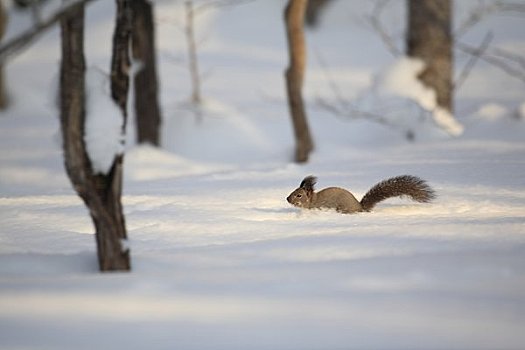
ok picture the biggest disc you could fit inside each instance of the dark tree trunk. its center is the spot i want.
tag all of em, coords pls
(120, 61)
(294, 19)
(429, 38)
(147, 112)
(101, 193)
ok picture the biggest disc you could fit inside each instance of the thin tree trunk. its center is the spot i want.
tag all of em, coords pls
(120, 65)
(101, 193)
(192, 54)
(314, 10)
(429, 38)
(294, 74)
(147, 111)
(4, 101)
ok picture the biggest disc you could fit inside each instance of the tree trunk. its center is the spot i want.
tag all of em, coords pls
(429, 38)
(147, 112)
(294, 19)
(4, 101)
(196, 98)
(101, 193)
(120, 62)
(314, 10)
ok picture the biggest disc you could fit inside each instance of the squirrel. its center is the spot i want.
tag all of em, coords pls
(344, 202)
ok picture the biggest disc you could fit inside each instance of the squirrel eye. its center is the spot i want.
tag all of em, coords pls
(299, 195)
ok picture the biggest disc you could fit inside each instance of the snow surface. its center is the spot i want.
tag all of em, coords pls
(219, 259)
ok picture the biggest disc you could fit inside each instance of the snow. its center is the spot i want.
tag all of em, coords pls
(220, 260)
(104, 123)
(492, 111)
(401, 79)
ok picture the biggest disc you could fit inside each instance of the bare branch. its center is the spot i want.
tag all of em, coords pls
(472, 62)
(349, 112)
(496, 61)
(484, 10)
(331, 82)
(375, 20)
(17, 44)
(343, 108)
(520, 60)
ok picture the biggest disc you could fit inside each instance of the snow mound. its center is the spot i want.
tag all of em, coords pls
(492, 111)
(401, 79)
(146, 163)
(213, 131)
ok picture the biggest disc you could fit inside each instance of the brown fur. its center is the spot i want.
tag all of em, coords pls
(344, 201)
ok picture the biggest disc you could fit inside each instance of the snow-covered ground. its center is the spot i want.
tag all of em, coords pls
(219, 258)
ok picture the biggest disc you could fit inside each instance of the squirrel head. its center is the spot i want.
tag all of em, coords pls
(302, 196)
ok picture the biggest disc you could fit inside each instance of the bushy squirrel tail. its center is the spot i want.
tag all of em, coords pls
(404, 185)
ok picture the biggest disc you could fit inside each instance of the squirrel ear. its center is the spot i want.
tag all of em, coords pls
(308, 183)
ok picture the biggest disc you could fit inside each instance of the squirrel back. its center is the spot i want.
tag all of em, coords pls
(345, 202)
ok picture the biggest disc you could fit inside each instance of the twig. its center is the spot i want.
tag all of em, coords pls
(520, 60)
(472, 61)
(331, 82)
(352, 113)
(493, 60)
(484, 10)
(17, 44)
(344, 109)
(377, 25)
(348, 111)
(192, 53)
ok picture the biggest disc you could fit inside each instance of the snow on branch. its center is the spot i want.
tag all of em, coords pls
(103, 129)
(401, 79)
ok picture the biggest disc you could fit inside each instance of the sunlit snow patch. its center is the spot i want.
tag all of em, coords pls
(492, 111)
